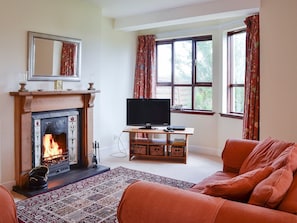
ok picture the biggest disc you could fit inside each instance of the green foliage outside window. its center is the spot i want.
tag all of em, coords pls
(204, 61)
(189, 83)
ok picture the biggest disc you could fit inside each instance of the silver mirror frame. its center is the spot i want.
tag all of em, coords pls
(31, 57)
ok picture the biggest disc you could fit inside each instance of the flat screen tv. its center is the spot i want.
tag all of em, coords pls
(148, 112)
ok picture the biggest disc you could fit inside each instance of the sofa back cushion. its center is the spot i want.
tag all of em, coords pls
(264, 154)
(289, 203)
(286, 159)
(235, 152)
(269, 192)
(238, 188)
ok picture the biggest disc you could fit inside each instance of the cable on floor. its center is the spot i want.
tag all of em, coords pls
(122, 153)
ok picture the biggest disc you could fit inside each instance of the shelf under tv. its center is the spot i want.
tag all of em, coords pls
(158, 144)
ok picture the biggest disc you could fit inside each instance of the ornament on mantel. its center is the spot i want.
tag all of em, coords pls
(23, 81)
(91, 86)
(91, 82)
(58, 85)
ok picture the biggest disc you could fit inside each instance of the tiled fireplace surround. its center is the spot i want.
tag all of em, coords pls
(30, 102)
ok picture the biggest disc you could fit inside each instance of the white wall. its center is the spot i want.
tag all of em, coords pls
(107, 59)
(115, 83)
(278, 116)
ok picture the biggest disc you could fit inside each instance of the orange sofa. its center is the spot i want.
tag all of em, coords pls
(258, 184)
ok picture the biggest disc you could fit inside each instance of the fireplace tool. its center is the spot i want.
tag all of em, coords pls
(94, 159)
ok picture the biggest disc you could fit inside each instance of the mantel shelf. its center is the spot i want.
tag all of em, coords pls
(63, 92)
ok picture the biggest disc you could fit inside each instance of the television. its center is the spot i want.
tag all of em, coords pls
(148, 112)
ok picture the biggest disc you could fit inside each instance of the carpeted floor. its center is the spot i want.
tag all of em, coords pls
(92, 200)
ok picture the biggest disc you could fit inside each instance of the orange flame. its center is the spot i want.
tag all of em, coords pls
(51, 148)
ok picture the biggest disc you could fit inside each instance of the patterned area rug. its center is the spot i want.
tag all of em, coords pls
(94, 199)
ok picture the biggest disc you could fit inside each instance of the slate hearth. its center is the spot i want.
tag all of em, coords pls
(63, 179)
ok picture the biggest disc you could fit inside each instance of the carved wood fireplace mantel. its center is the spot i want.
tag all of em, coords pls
(29, 102)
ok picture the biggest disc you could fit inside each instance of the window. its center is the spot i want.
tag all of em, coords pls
(184, 72)
(236, 71)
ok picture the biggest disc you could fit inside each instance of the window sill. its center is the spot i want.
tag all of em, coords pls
(230, 115)
(184, 111)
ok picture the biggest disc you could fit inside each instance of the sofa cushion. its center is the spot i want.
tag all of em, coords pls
(238, 188)
(286, 159)
(289, 203)
(264, 154)
(272, 190)
(218, 176)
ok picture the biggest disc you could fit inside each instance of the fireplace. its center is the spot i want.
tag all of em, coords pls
(67, 116)
(56, 140)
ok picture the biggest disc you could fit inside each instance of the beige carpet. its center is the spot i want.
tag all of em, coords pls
(197, 168)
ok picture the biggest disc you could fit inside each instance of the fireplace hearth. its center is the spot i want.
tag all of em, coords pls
(63, 179)
(38, 118)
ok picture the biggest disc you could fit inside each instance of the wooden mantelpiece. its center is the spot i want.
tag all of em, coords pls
(26, 103)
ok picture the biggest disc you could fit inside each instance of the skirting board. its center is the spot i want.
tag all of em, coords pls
(9, 184)
(204, 150)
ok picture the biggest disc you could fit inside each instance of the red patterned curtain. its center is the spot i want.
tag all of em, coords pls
(68, 59)
(252, 79)
(144, 70)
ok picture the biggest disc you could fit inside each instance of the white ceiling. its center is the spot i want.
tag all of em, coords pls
(123, 8)
(135, 15)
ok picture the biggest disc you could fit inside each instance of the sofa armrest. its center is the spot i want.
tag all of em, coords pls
(7, 207)
(235, 152)
(146, 202)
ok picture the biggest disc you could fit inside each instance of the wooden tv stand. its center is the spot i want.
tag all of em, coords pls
(159, 144)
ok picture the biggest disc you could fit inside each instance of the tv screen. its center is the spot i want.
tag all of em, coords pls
(148, 112)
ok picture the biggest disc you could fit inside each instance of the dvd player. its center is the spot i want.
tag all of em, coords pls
(176, 127)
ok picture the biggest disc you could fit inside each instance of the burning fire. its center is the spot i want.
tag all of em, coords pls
(51, 148)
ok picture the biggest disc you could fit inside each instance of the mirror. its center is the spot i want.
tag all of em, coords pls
(52, 57)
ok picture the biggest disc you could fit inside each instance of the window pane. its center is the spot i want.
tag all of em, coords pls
(163, 92)
(204, 61)
(175, 63)
(238, 99)
(164, 63)
(183, 62)
(238, 58)
(183, 96)
(203, 98)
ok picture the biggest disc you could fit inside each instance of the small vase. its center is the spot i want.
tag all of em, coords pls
(23, 87)
(91, 86)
